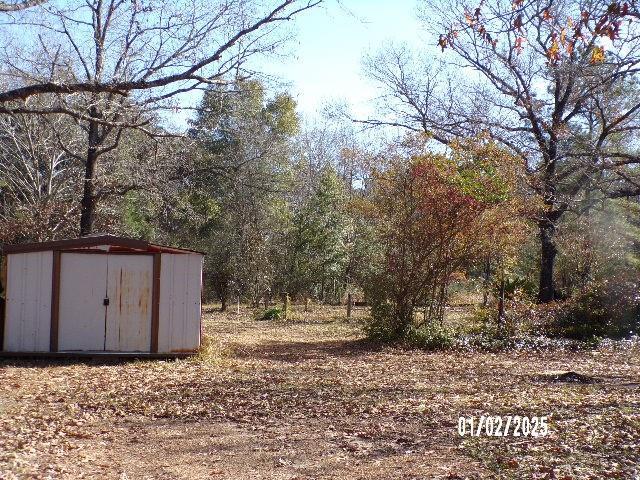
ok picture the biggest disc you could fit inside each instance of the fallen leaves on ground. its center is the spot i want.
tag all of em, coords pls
(309, 399)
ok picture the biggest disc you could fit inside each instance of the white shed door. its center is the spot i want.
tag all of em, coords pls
(105, 302)
(129, 289)
(83, 286)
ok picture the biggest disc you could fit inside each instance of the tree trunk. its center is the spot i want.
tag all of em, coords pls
(255, 301)
(501, 315)
(442, 300)
(223, 307)
(287, 306)
(487, 281)
(88, 204)
(403, 315)
(548, 253)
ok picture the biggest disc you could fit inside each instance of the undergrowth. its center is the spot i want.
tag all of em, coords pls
(212, 352)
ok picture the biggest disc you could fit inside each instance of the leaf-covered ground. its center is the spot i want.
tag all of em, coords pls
(308, 399)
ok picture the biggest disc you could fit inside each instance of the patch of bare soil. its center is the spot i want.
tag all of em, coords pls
(309, 399)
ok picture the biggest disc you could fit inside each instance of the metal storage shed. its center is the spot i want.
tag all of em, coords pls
(101, 294)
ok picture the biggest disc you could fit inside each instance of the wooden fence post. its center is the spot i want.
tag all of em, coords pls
(286, 306)
(501, 314)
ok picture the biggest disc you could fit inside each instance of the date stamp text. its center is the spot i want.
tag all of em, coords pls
(503, 426)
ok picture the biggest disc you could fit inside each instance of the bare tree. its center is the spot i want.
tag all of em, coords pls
(534, 75)
(114, 65)
(14, 7)
(39, 182)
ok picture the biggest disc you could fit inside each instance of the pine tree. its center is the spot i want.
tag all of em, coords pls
(319, 246)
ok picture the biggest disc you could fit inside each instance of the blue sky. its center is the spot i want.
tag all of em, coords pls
(330, 42)
(322, 63)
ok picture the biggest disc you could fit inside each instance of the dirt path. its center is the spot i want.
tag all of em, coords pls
(311, 400)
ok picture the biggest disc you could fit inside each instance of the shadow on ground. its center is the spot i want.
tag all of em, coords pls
(44, 362)
(298, 351)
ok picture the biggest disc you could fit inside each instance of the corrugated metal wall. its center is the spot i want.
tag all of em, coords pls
(28, 320)
(28, 310)
(83, 286)
(87, 280)
(129, 288)
(180, 288)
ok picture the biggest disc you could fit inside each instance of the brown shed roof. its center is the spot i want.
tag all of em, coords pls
(121, 244)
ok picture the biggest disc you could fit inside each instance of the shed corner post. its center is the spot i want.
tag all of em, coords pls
(4, 269)
(155, 302)
(55, 301)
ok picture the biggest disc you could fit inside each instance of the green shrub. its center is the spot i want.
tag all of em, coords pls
(606, 310)
(485, 322)
(381, 327)
(431, 336)
(274, 313)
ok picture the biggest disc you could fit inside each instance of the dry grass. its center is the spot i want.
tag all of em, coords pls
(307, 398)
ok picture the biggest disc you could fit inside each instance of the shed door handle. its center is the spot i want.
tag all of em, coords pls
(105, 302)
